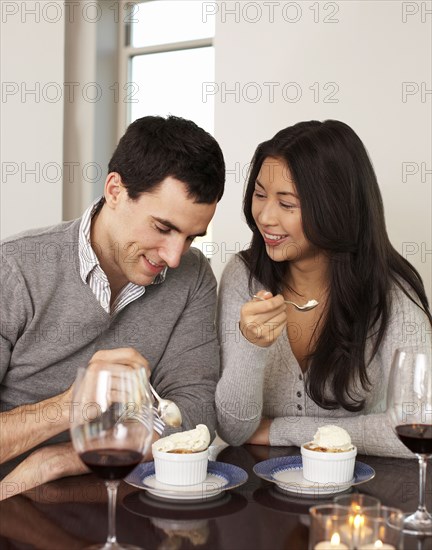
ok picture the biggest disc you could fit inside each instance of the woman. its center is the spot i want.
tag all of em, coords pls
(313, 204)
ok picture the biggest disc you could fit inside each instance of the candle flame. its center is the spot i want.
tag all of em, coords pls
(335, 539)
(358, 521)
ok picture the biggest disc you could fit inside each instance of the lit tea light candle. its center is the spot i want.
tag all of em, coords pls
(358, 522)
(378, 545)
(333, 544)
(360, 532)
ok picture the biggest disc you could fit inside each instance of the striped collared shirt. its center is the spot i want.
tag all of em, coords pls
(93, 275)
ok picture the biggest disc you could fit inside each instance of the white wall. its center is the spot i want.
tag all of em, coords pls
(32, 58)
(368, 52)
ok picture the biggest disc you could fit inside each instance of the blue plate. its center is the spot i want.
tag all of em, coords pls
(220, 477)
(287, 473)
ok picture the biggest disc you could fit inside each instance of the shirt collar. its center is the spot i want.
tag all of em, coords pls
(87, 257)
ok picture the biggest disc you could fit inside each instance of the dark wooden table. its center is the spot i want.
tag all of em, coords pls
(72, 513)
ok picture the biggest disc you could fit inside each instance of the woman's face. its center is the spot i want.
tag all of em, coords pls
(277, 213)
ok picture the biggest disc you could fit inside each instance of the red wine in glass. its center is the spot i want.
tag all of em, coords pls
(417, 437)
(111, 463)
(409, 410)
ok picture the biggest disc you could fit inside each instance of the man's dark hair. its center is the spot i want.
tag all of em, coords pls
(154, 148)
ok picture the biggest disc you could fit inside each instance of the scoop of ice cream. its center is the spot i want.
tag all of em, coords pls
(193, 440)
(332, 437)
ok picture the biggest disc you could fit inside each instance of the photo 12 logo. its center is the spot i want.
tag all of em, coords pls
(415, 11)
(414, 91)
(269, 12)
(253, 92)
(50, 172)
(415, 171)
(53, 92)
(43, 11)
(415, 249)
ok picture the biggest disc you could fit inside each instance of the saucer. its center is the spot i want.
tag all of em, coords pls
(220, 477)
(287, 473)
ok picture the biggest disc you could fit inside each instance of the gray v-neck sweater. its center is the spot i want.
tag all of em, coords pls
(268, 382)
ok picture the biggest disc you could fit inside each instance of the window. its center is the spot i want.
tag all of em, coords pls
(171, 83)
(166, 57)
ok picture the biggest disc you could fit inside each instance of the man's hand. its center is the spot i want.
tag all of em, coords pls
(262, 321)
(43, 465)
(120, 356)
(27, 426)
(116, 361)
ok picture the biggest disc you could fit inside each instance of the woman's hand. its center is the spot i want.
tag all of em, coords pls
(262, 321)
(261, 435)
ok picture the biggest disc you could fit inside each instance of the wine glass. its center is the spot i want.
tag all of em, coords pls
(105, 432)
(409, 408)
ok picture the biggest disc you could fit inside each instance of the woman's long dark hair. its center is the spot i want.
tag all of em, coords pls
(342, 215)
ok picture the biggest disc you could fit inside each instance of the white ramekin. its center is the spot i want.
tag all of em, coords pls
(328, 467)
(180, 469)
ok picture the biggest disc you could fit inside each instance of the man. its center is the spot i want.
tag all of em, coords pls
(120, 284)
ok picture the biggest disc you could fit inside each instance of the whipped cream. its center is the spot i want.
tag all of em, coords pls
(332, 437)
(195, 440)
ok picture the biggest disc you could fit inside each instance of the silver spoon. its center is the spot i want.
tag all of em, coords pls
(168, 410)
(306, 307)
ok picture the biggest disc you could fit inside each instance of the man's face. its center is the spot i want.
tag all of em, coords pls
(147, 234)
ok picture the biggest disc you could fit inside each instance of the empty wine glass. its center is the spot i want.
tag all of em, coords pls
(409, 407)
(104, 431)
